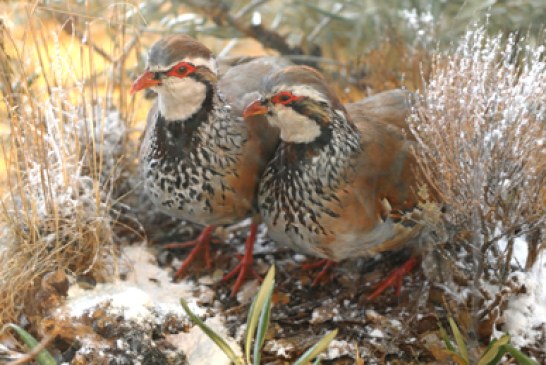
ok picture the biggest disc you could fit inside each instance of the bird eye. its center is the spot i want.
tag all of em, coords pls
(181, 70)
(284, 97)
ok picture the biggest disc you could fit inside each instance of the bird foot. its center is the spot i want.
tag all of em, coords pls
(394, 279)
(244, 267)
(324, 263)
(201, 243)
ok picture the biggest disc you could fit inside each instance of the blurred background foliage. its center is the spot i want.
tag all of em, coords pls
(363, 46)
(366, 45)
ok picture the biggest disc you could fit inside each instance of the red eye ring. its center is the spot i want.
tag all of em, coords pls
(284, 98)
(181, 69)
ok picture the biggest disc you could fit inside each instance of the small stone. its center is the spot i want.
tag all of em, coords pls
(247, 292)
(86, 282)
(205, 280)
(79, 359)
(206, 296)
(165, 258)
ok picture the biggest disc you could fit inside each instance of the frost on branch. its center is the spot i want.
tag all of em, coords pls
(62, 160)
(481, 131)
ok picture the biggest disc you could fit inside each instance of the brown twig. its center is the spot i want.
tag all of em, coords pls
(220, 14)
(5, 67)
(128, 48)
(35, 351)
(68, 26)
(338, 7)
(249, 7)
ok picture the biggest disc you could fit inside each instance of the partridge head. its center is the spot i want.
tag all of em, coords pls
(182, 72)
(340, 172)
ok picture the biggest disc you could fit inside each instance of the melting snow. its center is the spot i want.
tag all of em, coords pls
(200, 349)
(520, 249)
(148, 295)
(147, 288)
(337, 349)
(525, 315)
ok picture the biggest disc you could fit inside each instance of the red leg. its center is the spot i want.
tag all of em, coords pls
(245, 266)
(202, 243)
(394, 279)
(324, 263)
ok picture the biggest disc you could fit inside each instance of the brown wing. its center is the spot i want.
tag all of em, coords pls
(387, 165)
(389, 108)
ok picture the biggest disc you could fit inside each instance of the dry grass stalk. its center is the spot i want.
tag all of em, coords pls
(392, 64)
(63, 159)
(481, 131)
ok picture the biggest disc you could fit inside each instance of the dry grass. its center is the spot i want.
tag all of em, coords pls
(392, 64)
(481, 128)
(67, 148)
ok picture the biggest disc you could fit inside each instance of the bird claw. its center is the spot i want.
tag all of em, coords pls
(243, 269)
(201, 243)
(394, 279)
(324, 263)
(245, 266)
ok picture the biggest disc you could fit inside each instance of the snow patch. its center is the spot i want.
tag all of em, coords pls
(200, 349)
(377, 333)
(338, 349)
(520, 250)
(147, 290)
(525, 315)
(146, 297)
(280, 349)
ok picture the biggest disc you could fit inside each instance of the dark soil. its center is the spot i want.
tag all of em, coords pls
(390, 329)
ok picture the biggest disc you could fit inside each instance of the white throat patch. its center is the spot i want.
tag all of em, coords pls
(294, 127)
(179, 99)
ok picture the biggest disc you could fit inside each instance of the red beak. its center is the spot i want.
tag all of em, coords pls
(257, 107)
(146, 80)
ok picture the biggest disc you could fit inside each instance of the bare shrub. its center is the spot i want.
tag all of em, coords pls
(481, 132)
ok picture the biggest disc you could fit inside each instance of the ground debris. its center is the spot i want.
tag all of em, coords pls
(131, 321)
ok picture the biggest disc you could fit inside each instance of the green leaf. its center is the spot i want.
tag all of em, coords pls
(520, 357)
(43, 357)
(458, 339)
(494, 351)
(263, 324)
(445, 337)
(219, 341)
(256, 309)
(317, 348)
(457, 358)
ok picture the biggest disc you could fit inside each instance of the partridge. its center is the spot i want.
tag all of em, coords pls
(342, 174)
(199, 160)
